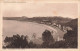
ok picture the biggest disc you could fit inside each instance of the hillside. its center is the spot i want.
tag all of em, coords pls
(56, 19)
(73, 23)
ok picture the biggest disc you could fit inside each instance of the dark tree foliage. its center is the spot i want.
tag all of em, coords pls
(47, 38)
(32, 45)
(71, 37)
(59, 44)
(16, 42)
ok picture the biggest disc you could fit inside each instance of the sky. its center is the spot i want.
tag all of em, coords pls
(40, 9)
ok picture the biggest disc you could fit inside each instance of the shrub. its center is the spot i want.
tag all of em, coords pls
(47, 38)
(16, 41)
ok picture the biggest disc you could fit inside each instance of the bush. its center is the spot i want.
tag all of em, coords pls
(71, 39)
(16, 42)
(47, 38)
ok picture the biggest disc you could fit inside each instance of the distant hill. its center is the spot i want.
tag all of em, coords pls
(56, 19)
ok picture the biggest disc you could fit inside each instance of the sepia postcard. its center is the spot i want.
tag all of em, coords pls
(31, 25)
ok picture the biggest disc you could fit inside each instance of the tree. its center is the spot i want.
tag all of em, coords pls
(71, 39)
(47, 38)
(16, 41)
